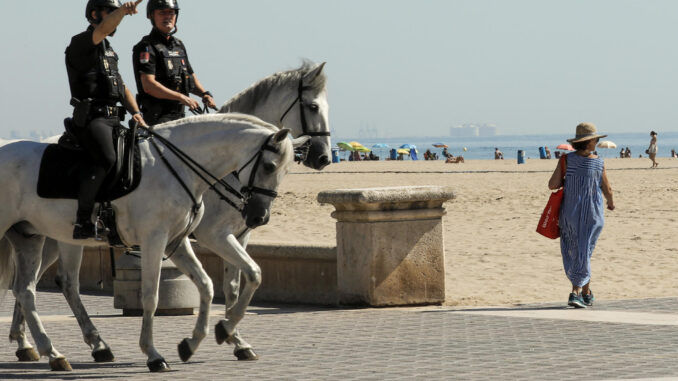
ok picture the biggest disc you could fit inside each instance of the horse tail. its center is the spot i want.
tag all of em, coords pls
(6, 267)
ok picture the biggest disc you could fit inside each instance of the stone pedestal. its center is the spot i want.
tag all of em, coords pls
(390, 247)
(177, 294)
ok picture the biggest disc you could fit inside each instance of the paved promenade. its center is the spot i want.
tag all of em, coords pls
(632, 339)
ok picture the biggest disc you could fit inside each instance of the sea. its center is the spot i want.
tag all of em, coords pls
(482, 148)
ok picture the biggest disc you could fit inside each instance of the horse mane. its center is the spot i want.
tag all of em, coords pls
(246, 100)
(217, 117)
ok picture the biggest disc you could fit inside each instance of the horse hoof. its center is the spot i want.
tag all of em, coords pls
(246, 355)
(27, 354)
(159, 365)
(220, 333)
(185, 351)
(104, 355)
(60, 365)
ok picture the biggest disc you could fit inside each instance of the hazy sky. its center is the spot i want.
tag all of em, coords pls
(403, 68)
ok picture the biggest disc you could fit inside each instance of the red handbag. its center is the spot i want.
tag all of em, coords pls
(548, 223)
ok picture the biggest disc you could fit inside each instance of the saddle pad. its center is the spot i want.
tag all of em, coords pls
(59, 175)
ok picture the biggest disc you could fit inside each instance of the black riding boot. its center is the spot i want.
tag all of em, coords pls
(84, 228)
(89, 186)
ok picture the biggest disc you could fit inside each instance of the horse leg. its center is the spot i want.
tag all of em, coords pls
(68, 274)
(28, 259)
(25, 351)
(231, 285)
(226, 330)
(152, 249)
(17, 331)
(184, 258)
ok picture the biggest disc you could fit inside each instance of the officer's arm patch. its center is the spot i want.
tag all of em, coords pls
(144, 57)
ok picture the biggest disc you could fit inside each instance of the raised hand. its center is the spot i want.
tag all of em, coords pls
(130, 7)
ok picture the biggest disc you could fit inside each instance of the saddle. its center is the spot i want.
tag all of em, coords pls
(61, 163)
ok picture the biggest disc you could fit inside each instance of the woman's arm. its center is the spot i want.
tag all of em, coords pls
(607, 190)
(556, 180)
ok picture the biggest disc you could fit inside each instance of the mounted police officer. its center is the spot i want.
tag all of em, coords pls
(97, 89)
(165, 78)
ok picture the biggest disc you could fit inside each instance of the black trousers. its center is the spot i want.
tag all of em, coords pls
(97, 139)
(162, 118)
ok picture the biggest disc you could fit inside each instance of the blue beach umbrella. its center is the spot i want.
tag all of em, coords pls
(380, 145)
(408, 146)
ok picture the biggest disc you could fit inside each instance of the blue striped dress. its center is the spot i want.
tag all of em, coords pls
(581, 216)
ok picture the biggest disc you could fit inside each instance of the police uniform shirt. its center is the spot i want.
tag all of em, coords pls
(147, 59)
(84, 74)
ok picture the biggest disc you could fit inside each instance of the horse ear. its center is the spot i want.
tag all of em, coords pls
(300, 141)
(310, 76)
(281, 135)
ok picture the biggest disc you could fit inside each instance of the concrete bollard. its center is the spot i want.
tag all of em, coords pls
(390, 248)
(177, 295)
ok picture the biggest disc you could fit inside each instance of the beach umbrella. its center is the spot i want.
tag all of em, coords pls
(355, 144)
(440, 145)
(380, 145)
(607, 144)
(408, 146)
(345, 146)
(565, 147)
(362, 149)
(404, 151)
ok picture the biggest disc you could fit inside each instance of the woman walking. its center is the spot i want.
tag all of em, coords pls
(582, 210)
(652, 149)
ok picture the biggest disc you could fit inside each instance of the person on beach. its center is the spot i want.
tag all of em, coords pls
(497, 154)
(652, 149)
(581, 212)
(548, 152)
(446, 154)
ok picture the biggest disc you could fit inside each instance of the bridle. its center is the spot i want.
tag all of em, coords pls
(250, 188)
(301, 153)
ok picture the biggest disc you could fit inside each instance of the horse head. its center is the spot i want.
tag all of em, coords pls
(296, 99)
(313, 118)
(262, 175)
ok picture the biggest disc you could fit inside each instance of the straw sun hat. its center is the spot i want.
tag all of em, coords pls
(585, 131)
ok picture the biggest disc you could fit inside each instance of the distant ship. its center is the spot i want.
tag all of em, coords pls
(473, 131)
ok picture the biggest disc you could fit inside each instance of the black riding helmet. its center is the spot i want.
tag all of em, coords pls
(98, 5)
(162, 4)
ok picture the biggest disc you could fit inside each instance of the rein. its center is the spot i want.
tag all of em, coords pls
(196, 168)
(199, 170)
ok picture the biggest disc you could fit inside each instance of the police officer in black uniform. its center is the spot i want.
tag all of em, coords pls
(96, 90)
(163, 73)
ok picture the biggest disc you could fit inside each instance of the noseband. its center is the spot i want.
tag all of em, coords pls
(302, 152)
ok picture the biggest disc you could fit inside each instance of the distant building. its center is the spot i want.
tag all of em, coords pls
(470, 130)
(486, 130)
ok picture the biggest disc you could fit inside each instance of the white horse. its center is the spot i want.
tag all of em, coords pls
(221, 143)
(272, 99)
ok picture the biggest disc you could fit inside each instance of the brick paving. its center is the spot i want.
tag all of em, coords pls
(308, 343)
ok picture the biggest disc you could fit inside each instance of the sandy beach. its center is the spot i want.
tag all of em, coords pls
(492, 254)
